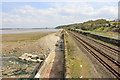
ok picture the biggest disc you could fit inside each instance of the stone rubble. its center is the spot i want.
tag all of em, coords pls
(30, 57)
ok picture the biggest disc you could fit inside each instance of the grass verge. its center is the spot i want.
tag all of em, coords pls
(76, 59)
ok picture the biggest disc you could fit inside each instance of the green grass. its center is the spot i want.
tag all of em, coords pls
(103, 33)
(73, 63)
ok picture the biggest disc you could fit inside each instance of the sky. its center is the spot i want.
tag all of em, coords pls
(52, 14)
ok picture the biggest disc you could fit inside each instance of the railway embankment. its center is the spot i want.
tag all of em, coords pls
(101, 38)
(67, 72)
(102, 56)
(77, 64)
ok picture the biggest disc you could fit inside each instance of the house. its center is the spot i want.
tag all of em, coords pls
(115, 23)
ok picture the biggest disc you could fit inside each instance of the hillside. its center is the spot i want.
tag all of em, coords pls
(94, 25)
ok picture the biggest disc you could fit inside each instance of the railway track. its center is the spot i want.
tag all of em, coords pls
(107, 50)
(113, 50)
(107, 61)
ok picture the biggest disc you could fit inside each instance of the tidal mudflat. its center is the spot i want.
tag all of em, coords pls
(15, 45)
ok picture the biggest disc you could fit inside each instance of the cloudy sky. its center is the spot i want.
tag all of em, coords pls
(52, 14)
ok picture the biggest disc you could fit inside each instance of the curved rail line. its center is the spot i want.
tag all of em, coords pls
(107, 47)
(104, 59)
(115, 51)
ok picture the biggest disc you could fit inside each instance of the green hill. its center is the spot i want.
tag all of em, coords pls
(93, 25)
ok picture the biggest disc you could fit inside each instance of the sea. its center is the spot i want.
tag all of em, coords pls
(14, 31)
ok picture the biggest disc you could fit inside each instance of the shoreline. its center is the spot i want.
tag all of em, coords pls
(12, 48)
(15, 31)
